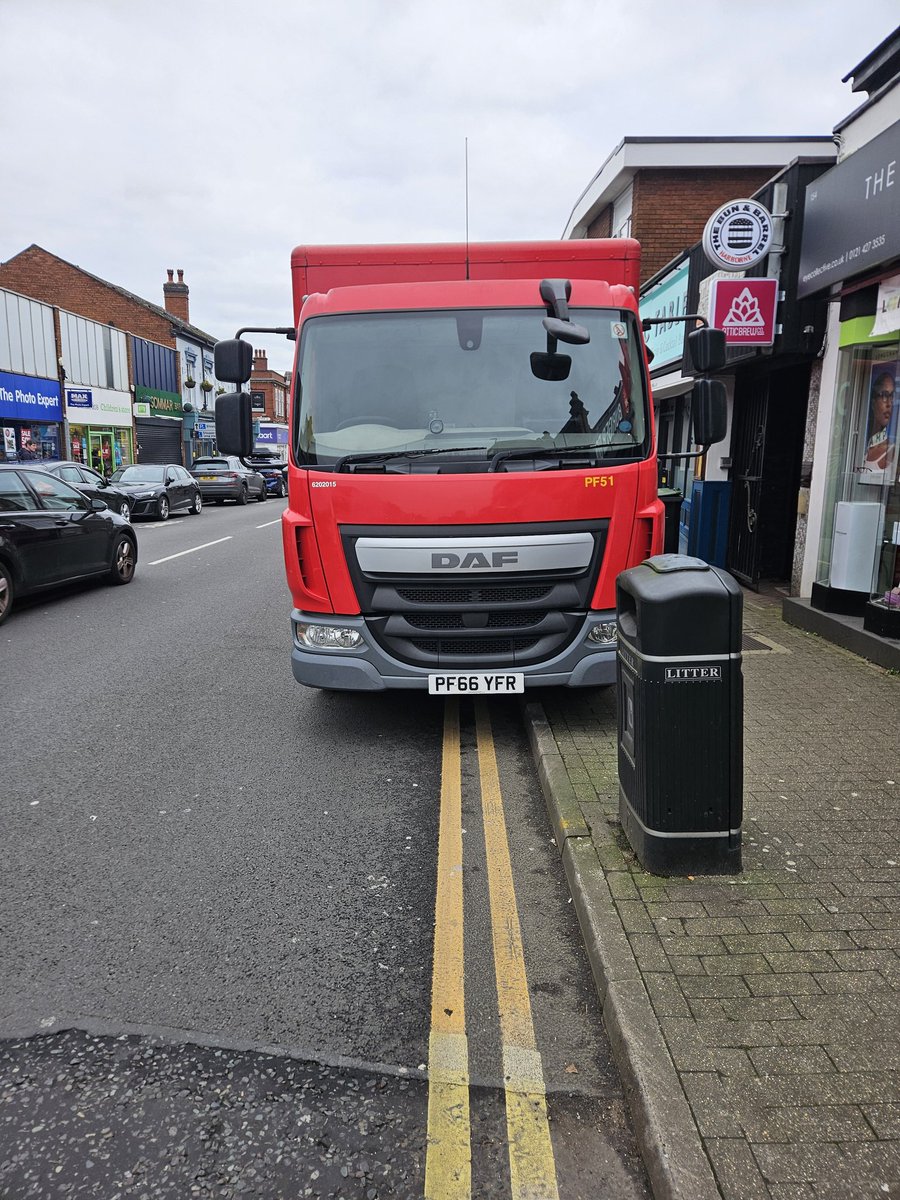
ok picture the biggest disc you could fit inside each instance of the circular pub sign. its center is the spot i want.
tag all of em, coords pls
(738, 235)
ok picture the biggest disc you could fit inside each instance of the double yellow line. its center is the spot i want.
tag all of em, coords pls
(448, 1161)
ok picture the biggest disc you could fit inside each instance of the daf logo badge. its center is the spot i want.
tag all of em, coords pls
(494, 560)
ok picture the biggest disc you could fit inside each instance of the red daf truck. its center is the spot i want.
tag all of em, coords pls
(472, 461)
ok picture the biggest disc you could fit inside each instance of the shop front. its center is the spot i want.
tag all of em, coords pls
(741, 496)
(99, 433)
(852, 246)
(858, 570)
(272, 436)
(30, 418)
(158, 425)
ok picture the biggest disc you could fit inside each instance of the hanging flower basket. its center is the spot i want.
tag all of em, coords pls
(220, 391)
(206, 386)
(190, 383)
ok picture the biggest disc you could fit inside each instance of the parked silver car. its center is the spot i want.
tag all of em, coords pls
(224, 477)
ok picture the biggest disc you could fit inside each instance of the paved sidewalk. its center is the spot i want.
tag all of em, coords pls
(755, 1018)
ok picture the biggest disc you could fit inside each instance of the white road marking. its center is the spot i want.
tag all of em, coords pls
(268, 523)
(180, 553)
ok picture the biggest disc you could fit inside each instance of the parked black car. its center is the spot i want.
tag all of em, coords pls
(51, 534)
(157, 489)
(90, 483)
(224, 477)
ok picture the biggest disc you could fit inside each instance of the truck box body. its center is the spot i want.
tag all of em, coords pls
(321, 268)
(454, 514)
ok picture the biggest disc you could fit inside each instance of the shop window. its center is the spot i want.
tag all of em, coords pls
(859, 550)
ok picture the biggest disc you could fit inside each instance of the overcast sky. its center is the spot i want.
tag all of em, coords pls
(211, 135)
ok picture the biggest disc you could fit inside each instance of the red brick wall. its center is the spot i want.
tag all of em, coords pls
(263, 379)
(601, 226)
(670, 207)
(42, 276)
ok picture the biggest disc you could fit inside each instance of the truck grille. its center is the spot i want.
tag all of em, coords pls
(492, 621)
(503, 647)
(509, 594)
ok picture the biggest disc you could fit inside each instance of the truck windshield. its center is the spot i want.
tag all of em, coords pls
(379, 384)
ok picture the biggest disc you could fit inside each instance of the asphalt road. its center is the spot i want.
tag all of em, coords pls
(221, 971)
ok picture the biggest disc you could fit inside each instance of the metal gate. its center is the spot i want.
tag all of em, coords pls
(751, 414)
(158, 440)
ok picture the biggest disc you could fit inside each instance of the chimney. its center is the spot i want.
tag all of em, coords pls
(175, 296)
(260, 361)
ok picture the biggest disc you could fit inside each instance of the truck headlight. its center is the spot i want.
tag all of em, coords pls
(606, 633)
(327, 637)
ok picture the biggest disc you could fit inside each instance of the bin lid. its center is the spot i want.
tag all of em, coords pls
(663, 564)
(678, 605)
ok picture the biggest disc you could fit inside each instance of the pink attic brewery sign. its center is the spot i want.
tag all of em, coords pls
(745, 310)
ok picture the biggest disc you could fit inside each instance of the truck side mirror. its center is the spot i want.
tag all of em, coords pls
(709, 410)
(234, 423)
(234, 360)
(707, 348)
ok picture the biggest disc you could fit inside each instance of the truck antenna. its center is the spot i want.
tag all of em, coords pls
(467, 208)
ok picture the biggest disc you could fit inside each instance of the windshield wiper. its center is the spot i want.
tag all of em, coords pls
(383, 457)
(590, 452)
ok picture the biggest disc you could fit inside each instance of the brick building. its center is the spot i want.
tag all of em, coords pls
(170, 361)
(268, 390)
(662, 190)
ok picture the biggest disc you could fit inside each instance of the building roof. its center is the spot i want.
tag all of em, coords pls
(880, 66)
(878, 75)
(634, 154)
(182, 328)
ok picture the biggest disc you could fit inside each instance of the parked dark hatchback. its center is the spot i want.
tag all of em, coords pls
(157, 489)
(50, 534)
(89, 483)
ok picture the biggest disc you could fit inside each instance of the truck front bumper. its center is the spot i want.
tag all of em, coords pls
(368, 668)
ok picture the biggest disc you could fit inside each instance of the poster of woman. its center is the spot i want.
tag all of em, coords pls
(879, 465)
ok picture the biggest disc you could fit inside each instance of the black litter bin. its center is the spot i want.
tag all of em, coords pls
(680, 715)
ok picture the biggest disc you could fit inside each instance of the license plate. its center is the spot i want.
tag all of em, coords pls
(479, 685)
(207, 479)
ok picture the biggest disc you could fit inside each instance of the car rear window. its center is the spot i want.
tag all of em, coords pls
(210, 468)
